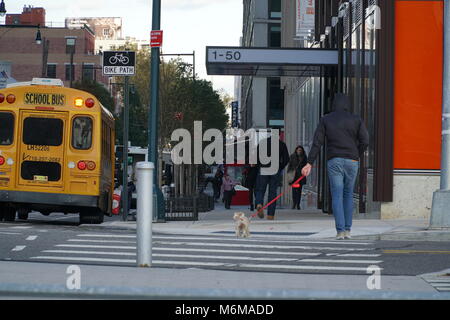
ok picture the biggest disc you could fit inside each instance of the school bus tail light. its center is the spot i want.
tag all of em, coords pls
(89, 102)
(81, 165)
(90, 165)
(2, 97)
(11, 98)
(2, 160)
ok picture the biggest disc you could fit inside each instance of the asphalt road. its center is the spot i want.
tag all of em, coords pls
(59, 239)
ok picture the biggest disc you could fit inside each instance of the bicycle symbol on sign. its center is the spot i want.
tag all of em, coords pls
(119, 58)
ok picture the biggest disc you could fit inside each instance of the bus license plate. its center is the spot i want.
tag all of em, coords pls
(41, 178)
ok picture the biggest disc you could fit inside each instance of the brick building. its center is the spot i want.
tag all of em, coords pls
(30, 16)
(52, 57)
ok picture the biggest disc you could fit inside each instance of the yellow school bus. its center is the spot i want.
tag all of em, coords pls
(56, 152)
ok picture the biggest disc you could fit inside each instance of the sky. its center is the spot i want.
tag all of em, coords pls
(188, 25)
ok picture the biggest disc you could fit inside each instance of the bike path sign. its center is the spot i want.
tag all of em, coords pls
(119, 63)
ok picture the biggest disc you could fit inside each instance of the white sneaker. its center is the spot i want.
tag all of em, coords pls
(347, 235)
(340, 236)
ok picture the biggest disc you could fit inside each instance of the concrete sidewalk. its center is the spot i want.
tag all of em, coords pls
(305, 224)
(37, 280)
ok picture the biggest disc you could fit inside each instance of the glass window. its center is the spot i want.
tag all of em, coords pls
(51, 71)
(68, 72)
(276, 103)
(6, 128)
(82, 133)
(43, 131)
(275, 9)
(274, 36)
(88, 72)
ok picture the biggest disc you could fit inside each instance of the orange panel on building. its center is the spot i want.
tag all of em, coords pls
(418, 89)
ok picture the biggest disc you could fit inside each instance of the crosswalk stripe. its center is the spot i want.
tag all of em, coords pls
(239, 251)
(214, 264)
(185, 263)
(262, 246)
(95, 247)
(171, 255)
(101, 241)
(232, 238)
(191, 249)
(342, 261)
(298, 267)
(355, 255)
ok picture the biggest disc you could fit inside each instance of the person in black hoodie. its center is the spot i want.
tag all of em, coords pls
(347, 139)
(297, 161)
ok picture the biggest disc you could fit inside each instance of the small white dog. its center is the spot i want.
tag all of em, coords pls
(242, 225)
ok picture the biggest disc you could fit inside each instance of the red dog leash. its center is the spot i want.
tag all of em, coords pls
(294, 185)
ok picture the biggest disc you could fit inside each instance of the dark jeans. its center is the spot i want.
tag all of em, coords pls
(260, 190)
(227, 196)
(251, 200)
(297, 196)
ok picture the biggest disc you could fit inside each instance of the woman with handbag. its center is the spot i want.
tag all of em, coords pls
(297, 161)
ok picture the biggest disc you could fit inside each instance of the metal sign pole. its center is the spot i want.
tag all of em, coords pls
(126, 113)
(440, 215)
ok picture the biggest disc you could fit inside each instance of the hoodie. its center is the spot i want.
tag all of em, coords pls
(345, 133)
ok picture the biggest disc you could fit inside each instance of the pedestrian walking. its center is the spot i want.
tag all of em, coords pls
(347, 139)
(297, 161)
(217, 183)
(273, 181)
(228, 190)
(250, 173)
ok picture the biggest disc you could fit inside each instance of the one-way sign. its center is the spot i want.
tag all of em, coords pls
(119, 63)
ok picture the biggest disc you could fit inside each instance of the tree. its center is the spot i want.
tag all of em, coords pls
(98, 90)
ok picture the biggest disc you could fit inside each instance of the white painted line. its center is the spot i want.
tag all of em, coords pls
(442, 289)
(224, 238)
(92, 252)
(238, 251)
(106, 235)
(295, 267)
(20, 227)
(10, 233)
(18, 248)
(169, 255)
(355, 255)
(85, 259)
(220, 257)
(262, 246)
(94, 247)
(342, 261)
(31, 238)
(101, 241)
(191, 250)
(185, 263)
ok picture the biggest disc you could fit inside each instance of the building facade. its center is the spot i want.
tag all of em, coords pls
(390, 64)
(52, 58)
(261, 103)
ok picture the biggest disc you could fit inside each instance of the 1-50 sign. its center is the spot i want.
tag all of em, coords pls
(119, 63)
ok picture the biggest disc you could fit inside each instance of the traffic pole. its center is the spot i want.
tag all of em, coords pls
(144, 187)
(154, 113)
(126, 120)
(440, 213)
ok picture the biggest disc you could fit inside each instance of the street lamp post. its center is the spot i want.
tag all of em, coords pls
(2, 9)
(70, 43)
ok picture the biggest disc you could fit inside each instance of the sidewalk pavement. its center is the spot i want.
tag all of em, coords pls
(305, 224)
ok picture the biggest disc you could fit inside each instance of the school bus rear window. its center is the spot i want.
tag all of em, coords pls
(6, 128)
(43, 131)
(82, 133)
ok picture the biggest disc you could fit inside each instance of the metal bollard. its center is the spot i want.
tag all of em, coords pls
(144, 213)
